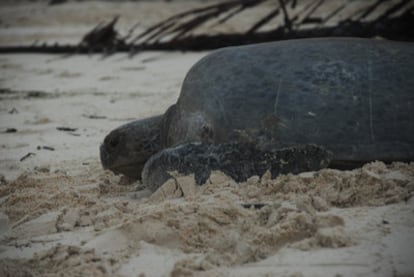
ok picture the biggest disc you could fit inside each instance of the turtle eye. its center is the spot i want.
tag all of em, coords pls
(112, 141)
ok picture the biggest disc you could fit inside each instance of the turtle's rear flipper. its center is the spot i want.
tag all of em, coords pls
(239, 161)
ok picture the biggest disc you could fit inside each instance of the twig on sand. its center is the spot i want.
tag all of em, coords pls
(28, 155)
(66, 129)
(11, 130)
(44, 147)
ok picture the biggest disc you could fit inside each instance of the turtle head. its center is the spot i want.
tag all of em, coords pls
(126, 149)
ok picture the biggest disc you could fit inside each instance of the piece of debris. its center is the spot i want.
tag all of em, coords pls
(92, 116)
(11, 130)
(13, 111)
(103, 37)
(43, 169)
(184, 30)
(133, 68)
(36, 94)
(45, 148)
(66, 129)
(28, 155)
(150, 59)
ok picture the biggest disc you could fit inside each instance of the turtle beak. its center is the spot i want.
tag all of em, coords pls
(105, 157)
(110, 149)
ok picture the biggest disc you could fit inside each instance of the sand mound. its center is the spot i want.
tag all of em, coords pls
(99, 225)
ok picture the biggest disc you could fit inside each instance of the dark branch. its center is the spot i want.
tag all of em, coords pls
(177, 32)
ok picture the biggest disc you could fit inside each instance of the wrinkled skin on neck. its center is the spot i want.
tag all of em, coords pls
(126, 149)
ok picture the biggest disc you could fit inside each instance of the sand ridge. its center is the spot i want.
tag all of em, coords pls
(102, 225)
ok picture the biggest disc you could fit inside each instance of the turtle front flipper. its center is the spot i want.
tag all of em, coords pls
(239, 161)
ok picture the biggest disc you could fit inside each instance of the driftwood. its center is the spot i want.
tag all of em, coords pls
(179, 28)
(103, 35)
(177, 32)
(394, 29)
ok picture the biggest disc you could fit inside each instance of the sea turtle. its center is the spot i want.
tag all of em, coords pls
(277, 106)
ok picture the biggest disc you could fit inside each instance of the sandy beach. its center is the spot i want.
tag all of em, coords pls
(62, 214)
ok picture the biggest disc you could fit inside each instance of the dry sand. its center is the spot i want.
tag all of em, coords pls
(62, 214)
